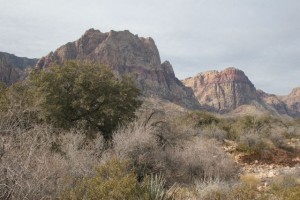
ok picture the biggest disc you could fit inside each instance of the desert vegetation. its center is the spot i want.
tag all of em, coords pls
(82, 133)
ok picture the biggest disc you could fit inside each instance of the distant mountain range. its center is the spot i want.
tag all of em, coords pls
(226, 91)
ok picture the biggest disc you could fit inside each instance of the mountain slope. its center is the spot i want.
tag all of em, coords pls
(12, 68)
(126, 53)
(292, 102)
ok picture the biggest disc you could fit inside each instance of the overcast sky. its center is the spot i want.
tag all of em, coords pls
(260, 37)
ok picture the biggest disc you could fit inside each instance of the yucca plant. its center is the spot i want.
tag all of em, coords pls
(154, 189)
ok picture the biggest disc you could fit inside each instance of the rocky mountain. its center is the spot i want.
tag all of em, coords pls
(230, 91)
(127, 53)
(12, 68)
(222, 91)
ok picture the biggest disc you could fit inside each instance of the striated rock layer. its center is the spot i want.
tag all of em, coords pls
(126, 53)
(12, 68)
(222, 91)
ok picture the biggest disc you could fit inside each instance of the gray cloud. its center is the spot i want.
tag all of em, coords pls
(259, 37)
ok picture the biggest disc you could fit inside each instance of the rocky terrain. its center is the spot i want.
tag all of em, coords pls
(127, 53)
(12, 68)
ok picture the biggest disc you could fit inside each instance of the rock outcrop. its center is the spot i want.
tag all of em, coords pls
(230, 91)
(292, 102)
(222, 91)
(126, 53)
(274, 102)
(12, 68)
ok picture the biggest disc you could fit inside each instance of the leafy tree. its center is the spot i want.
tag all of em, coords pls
(84, 93)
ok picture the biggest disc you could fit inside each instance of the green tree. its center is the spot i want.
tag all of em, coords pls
(84, 93)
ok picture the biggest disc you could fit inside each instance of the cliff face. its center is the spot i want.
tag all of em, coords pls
(222, 91)
(292, 102)
(273, 101)
(12, 68)
(126, 53)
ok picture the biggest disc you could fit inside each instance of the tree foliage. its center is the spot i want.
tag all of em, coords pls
(83, 93)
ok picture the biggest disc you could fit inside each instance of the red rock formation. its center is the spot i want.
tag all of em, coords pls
(127, 53)
(222, 91)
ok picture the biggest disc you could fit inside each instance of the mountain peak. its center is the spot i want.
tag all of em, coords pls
(126, 53)
(222, 91)
(295, 92)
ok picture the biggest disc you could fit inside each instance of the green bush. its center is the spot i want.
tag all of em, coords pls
(87, 94)
(117, 180)
(200, 119)
(113, 180)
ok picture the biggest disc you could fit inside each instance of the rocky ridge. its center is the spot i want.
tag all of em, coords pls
(126, 53)
(13, 68)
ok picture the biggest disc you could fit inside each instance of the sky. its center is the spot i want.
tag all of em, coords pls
(260, 37)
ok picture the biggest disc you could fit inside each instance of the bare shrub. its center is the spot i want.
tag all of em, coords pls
(251, 142)
(145, 142)
(201, 160)
(182, 161)
(211, 190)
(278, 139)
(138, 143)
(214, 132)
(39, 162)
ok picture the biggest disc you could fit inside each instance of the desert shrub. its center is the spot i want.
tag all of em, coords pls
(16, 107)
(214, 132)
(200, 160)
(247, 189)
(113, 180)
(212, 190)
(84, 93)
(200, 119)
(181, 162)
(116, 179)
(277, 139)
(138, 143)
(285, 187)
(293, 132)
(32, 167)
(251, 143)
(145, 141)
(251, 124)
